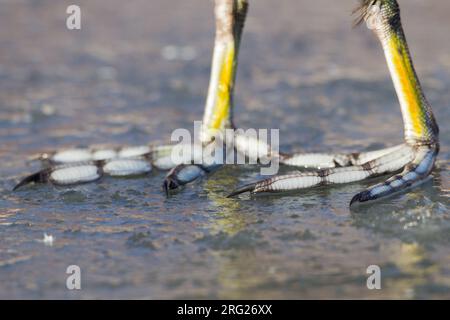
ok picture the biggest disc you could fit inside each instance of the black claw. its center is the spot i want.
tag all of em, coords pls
(166, 188)
(38, 177)
(246, 188)
(361, 197)
(170, 183)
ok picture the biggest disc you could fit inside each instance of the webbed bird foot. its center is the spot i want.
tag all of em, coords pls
(72, 173)
(184, 174)
(413, 174)
(416, 161)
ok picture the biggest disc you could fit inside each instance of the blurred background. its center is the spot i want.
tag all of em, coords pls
(139, 69)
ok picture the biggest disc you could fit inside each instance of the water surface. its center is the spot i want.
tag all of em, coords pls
(138, 70)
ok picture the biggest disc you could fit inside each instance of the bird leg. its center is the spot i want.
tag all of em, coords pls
(230, 17)
(86, 165)
(416, 157)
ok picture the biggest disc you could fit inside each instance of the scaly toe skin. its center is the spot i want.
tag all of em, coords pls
(414, 173)
(183, 174)
(417, 162)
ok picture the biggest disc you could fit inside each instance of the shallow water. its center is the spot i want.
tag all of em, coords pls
(134, 73)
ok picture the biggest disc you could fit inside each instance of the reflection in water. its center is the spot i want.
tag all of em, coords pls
(236, 268)
(229, 218)
(415, 267)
